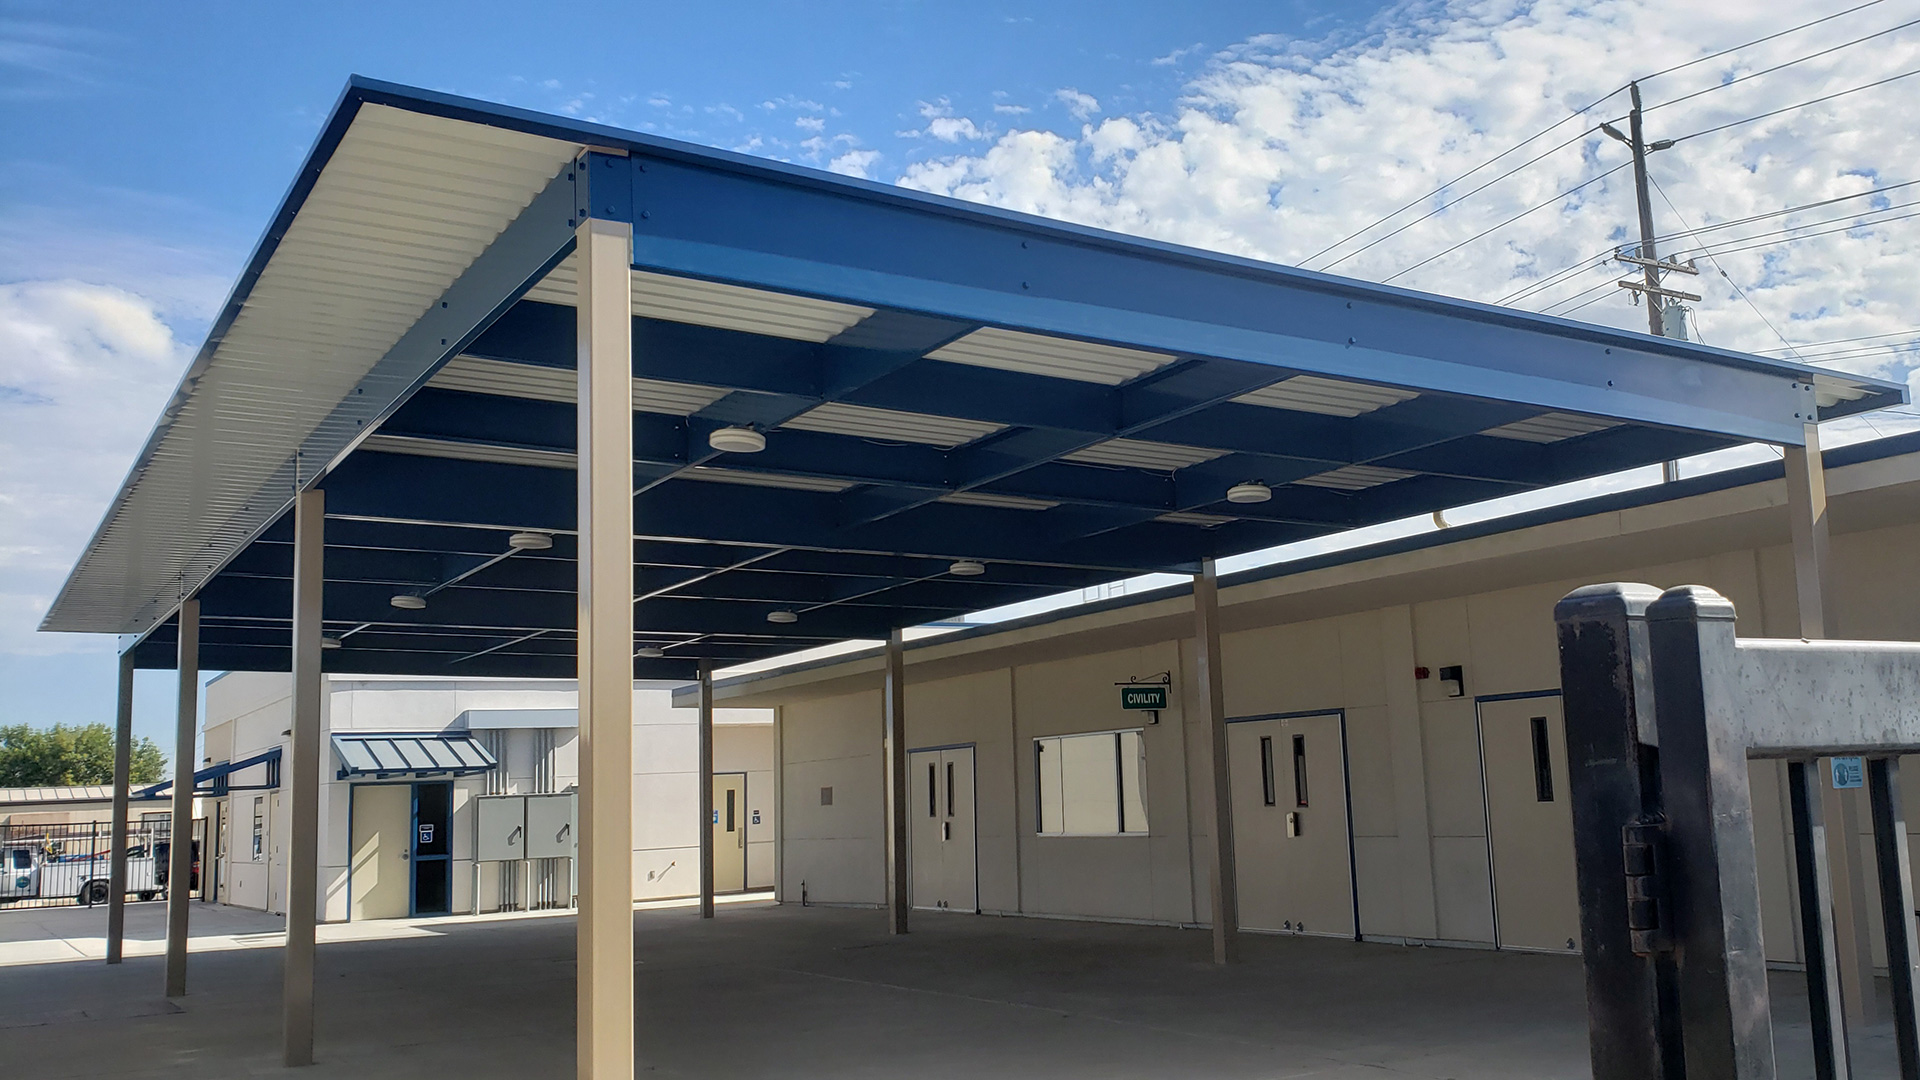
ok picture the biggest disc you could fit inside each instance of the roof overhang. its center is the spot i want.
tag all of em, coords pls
(937, 381)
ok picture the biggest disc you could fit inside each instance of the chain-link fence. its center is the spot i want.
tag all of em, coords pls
(67, 865)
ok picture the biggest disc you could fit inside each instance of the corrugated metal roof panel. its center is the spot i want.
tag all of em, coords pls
(1205, 521)
(869, 423)
(403, 207)
(759, 479)
(1001, 502)
(1328, 397)
(478, 376)
(1139, 454)
(710, 303)
(1355, 477)
(1550, 427)
(1062, 358)
(459, 451)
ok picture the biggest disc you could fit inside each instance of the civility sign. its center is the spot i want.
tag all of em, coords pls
(1143, 697)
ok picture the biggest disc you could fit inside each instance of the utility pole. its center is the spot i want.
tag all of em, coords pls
(1648, 260)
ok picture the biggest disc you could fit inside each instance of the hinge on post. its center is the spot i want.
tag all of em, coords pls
(1643, 849)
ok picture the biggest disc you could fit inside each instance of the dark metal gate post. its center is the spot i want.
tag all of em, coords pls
(1714, 881)
(1612, 739)
(1895, 868)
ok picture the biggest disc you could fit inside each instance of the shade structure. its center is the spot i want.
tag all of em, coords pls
(935, 382)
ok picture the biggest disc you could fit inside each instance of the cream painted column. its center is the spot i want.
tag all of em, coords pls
(1419, 908)
(894, 706)
(1213, 708)
(1807, 510)
(122, 783)
(302, 776)
(604, 1020)
(706, 789)
(180, 823)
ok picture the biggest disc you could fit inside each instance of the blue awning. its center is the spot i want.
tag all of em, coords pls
(384, 755)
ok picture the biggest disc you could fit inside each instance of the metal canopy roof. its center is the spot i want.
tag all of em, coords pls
(409, 753)
(936, 381)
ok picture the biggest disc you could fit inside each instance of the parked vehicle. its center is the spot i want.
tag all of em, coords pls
(47, 870)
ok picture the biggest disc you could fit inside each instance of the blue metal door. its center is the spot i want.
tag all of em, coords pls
(432, 849)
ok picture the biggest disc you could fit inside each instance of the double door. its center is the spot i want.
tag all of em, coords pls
(941, 834)
(1293, 858)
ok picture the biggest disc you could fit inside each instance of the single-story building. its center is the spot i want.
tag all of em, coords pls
(409, 759)
(1396, 753)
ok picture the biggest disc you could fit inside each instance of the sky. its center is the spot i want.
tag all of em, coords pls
(143, 147)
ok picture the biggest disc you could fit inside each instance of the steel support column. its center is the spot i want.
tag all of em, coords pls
(302, 778)
(1213, 712)
(706, 789)
(894, 705)
(180, 824)
(122, 783)
(605, 1019)
(1812, 544)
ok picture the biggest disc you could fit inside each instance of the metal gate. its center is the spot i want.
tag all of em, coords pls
(1664, 707)
(67, 864)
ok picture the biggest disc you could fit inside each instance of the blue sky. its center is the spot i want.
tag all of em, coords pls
(143, 147)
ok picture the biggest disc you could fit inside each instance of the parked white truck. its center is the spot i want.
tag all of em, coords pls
(44, 870)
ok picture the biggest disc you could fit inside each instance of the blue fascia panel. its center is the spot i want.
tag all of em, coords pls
(1056, 252)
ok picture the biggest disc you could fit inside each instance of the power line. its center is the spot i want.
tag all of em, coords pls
(1862, 337)
(1711, 251)
(1737, 290)
(1782, 66)
(1450, 204)
(1583, 110)
(1751, 218)
(1801, 105)
(1504, 224)
(1756, 41)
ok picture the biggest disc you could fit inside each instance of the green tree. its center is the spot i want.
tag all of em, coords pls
(70, 754)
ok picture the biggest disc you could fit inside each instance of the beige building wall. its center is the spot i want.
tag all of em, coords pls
(1343, 637)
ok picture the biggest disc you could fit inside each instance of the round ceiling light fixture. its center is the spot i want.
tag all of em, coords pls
(650, 652)
(967, 568)
(737, 440)
(782, 617)
(1250, 492)
(329, 642)
(529, 541)
(408, 601)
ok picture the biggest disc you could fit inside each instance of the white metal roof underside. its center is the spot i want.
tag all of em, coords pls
(403, 207)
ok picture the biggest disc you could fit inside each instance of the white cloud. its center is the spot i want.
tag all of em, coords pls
(1281, 147)
(814, 124)
(1176, 55)
(854, 163)
(1011, 110)
(84, 370)
(1082, 106)
(954, 128)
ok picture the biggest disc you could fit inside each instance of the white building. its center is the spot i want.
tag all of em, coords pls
(406, 760)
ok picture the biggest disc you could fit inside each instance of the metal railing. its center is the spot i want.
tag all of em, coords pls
(1664, 708)
(67, 864)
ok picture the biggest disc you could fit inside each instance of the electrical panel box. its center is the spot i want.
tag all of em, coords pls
(550, 826)
(503, 828)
